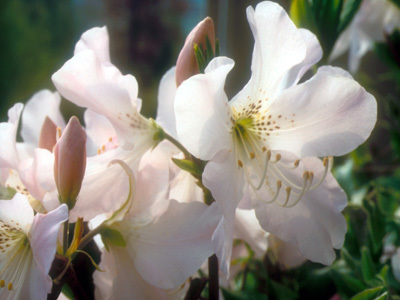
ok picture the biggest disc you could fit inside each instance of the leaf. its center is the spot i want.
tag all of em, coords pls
(368, 294)
(367, 265)
(349, 10)
(376, 225)
(282, 292)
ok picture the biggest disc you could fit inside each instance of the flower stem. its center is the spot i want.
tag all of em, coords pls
(179, 146)
(65, 237)
(88, 237)
(213, 279)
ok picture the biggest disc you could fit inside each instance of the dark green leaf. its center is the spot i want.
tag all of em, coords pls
(367, 265)
(368, 294)
(349, 10)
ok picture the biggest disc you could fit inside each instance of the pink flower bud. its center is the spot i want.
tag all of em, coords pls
(70, 162)
(186, 64)
(48, 135)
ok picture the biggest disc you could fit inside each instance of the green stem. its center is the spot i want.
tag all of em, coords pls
(179, 146)
(65, 237)
(91, 234)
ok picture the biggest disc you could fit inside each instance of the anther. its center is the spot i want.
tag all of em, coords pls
(264, 149)
(99, 151)
(325, 163)
(240, 163)
(296, 163)
(278, 157)
(252, 155)
(10, 286)
(2, 283)
(58, 132)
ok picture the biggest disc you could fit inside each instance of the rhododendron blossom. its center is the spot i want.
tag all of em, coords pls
(261, 144)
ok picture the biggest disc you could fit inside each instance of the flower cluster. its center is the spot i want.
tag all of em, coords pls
(166, 194)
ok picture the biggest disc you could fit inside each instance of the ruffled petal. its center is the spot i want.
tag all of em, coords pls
(43, 103)
(167, 252)
(201, 110)
(315, 225)
(9, 157)
(278, 47)
(96, 40)
(166, 101)
(330, 114)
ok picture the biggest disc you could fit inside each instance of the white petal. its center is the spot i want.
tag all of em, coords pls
(173, 248)
(8, 133)
(315, 225)
(202, 113)
(43, 103)
(121, 280)
(166, 100)
(328, 115)
(222, 177)
(95, 39)
(85, 81)
(278, 47)
(43, 238)
(17, 210)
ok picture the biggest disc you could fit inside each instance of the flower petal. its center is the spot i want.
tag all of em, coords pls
(43, 103)
(95, 39)
(201, 110)
(315, 225)
(330, 114)
(173, 248)
(166, 100)
(278, 47)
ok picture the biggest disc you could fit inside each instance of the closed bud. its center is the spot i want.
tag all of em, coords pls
(70, 162)
(186, 65)
(48, 135)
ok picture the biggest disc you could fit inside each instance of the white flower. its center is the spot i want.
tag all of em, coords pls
(257, 144)
(166, 241)
(27, 248)
(373, 20)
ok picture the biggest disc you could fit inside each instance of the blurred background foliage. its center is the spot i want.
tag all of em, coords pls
(38, 36)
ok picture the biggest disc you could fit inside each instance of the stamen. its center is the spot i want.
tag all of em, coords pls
(306, 187)
(278, 188)
(240, 163)
(10, 286)
(2, 283)
(325, 163)
(58, 133)
(252, 155)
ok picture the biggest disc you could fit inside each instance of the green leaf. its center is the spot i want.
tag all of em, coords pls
(382, 297)
(367, 265)
(348, 283)
(349, 10)
(368, 294)
(66, 290)
(113, 237)
(282, 292)
(201, 61)
(188, 166)
(376, 225)
(302, 14)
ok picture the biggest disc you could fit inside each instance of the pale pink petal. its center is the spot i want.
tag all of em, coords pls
(100, 132)
(167, 252)
(95, 39)
(201, 110)
(43, 239)
(43, 103)
(313, 55)
(328, 115)
(85, 81)
(17, 210)
(222, 177)
(315, 225)
(166, 100)
(279, 46)
(8, 134)
(121, 280)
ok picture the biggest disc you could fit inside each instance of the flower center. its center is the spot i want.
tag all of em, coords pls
(274, 177)
(14, 251)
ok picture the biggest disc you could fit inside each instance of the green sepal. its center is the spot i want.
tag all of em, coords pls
(188, 166)
(368, 294)
(159, 134)
(111, 236)
(200, 59)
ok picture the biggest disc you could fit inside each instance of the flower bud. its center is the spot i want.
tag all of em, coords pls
(186, 64)
(70, 162)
